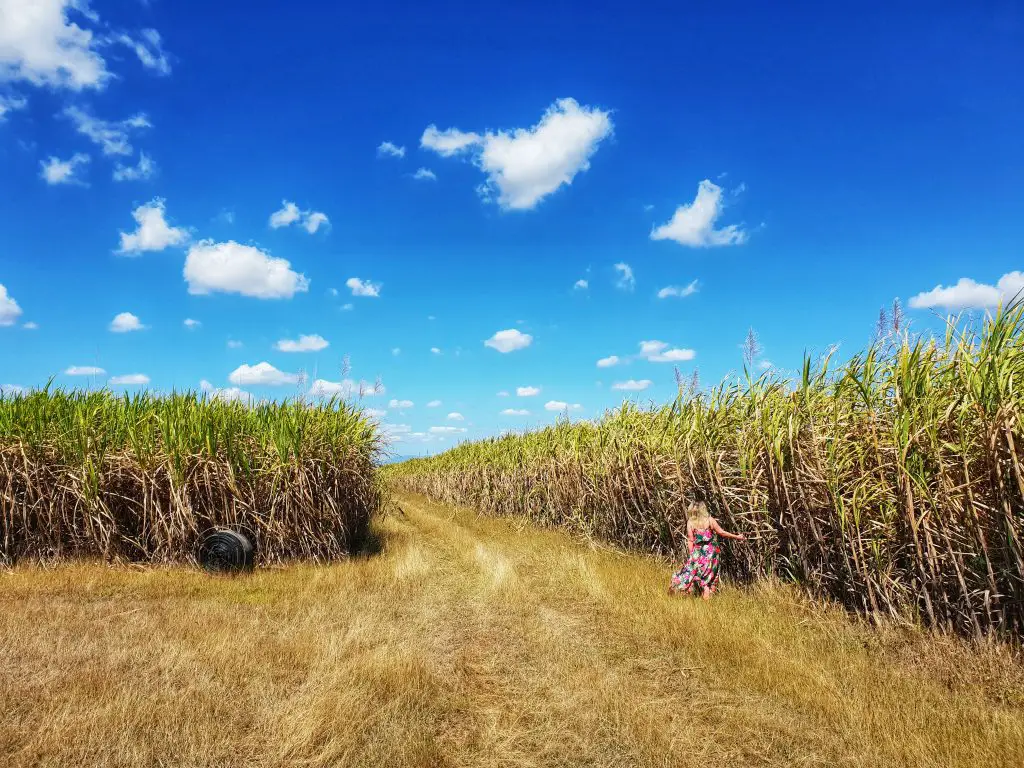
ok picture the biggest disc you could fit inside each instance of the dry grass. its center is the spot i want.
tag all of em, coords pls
(469, 641)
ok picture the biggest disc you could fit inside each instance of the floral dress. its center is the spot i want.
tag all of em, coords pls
(701, 568)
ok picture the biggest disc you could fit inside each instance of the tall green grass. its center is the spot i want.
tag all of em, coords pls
(142, 477)
(893, 482)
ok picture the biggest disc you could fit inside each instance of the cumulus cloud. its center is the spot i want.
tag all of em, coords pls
(558, 405)
(433, 404)
(525, 165)
(9, 309)
(12, 389)
(261, 374)
(233, 268)
(374, 413)
(400, 404)
(112, 136)
(424, 174)
(153, 232)
(53, 170)
(678, 291)
(632, 385)
(10, 104)
(84, 370)
(345, 388)
(387, 149)
(503, 393)
(314, 221)
(527, 391)
(447, 430)
(626, 281)
(455, 416)
(125, 322)
(149, 48)
(311, 343)
(608, 362)
(509, 340)
(693, 225)
(290, 214)
(144, 170)
(192, 324)
(968, 294)
(30, 326)
(363, 287)
(44, 43)
(449, 142)
(659, 352)
(515, 412)
(581, 285)
(435, 350)
(227, 394)
(131, 379)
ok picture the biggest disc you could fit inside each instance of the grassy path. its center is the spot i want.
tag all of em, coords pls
(470, 642)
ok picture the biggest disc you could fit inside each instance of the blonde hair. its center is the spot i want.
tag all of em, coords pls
(698, 517)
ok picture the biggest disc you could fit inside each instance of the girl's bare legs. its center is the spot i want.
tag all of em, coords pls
(707, 593)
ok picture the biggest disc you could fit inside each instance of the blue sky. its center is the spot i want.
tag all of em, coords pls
(788, 168)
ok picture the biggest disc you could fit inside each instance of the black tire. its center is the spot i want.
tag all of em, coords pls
(226, 551)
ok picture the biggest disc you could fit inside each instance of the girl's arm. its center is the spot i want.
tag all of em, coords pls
(724, 533)
(689, 539)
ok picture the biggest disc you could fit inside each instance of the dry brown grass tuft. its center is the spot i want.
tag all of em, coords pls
(470, 641)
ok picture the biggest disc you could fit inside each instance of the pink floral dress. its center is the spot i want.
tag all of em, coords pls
(701, 568)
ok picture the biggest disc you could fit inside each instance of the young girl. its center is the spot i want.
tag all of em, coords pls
(701, 568)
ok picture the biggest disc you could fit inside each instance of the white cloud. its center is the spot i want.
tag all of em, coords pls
(387, 149)
(232, 344)
(374, 413)
(455, 416)
(233, 268)
(56, 171)
(261, 374)
(678, 291)
(433, 404)
(608, 362)
(144, 170)
(626, 281)
(314, 220)
(30, 326)
(39, 43)
(658, 352)
(312, 343)
(149, 50)
(503, 393)
(192, 324)
(632, 385)
(581, 285)
(9, 309)
(967, 294)
(558, 405)
(131, 379)
(515, 412)
(153, 232)
(425, 174)
(346, 307)
(12, 389)
(435, 350)
(527, 391)
(228, 394)
(525, 165)
(400, 404)
(447, 430)
(84, 370)
(694, 224)
(396, 351)
(112, 136)
(509, 340)
(345, 388)
(363, 287)
(125, 322)
(448, 142)
(10, 104)
(288, 214)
